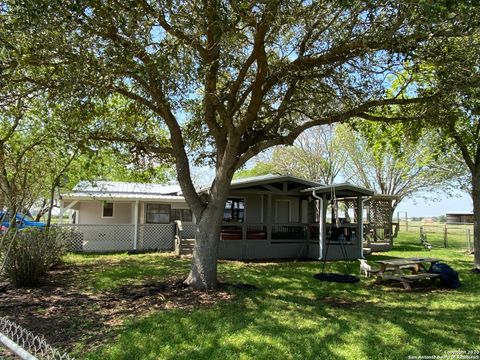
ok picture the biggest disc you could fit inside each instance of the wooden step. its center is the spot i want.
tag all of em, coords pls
(188, 241)
(366, 251)
(186, 246)
(186, 252)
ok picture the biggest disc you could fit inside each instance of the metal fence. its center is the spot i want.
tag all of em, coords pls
(27, 345)
(458, 235)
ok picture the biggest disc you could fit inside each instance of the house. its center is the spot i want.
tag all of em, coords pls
(265, 217)
(119, 216)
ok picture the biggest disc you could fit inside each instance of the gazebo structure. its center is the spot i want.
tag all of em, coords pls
(380, 230)
(340, 218)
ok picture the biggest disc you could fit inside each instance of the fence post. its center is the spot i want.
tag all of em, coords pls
(406, 222)
(445, 236)
(421, 234)
(467, 234)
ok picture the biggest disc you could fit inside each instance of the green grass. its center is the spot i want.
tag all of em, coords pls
(292, 316)
(456, 233)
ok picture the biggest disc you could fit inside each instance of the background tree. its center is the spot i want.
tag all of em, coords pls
(317, 154)
(454, 74)
(382, 158)
(227, 80)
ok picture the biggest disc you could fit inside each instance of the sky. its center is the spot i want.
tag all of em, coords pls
(435, 206)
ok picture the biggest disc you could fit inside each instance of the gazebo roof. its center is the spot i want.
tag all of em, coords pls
(269, 179)
(340, 190)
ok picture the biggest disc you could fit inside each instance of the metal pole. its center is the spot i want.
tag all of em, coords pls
(15, 348)
(321, 221)
(360, 224)
(135, 222)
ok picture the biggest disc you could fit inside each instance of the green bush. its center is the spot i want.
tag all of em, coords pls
(30, 253)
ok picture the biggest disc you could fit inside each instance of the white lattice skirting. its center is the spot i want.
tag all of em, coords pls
(119, 237)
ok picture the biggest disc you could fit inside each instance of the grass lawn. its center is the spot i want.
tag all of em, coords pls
(290, 316)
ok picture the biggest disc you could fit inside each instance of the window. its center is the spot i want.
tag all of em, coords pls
(234, 210)
(158, 214)
(107, 209)
(182, 215)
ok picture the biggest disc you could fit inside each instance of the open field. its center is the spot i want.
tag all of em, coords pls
(459, 236)
(128, 307)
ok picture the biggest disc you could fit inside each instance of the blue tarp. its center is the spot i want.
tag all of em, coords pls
(448, 276)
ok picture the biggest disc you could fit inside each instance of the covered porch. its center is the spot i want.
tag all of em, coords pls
(287, 217)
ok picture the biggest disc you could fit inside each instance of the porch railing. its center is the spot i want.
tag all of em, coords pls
(274, 233)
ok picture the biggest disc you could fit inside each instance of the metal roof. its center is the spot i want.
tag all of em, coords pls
(268, 179)
(124, 190)
(385, 197)
(126, 187)
(344, 189)
(264, 179)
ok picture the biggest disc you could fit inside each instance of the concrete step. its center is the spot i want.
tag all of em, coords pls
(188, 241)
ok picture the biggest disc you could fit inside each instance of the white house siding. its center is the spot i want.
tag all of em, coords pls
(91, 213)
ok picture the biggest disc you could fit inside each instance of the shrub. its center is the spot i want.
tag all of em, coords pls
(30, 253)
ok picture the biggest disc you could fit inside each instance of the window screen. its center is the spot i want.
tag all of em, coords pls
(234, 210)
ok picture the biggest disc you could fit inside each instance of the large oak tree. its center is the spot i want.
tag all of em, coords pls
(228, 79)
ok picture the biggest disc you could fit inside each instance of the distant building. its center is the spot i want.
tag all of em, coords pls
(459, 218)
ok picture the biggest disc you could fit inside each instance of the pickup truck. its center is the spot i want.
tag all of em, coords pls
(22, 221)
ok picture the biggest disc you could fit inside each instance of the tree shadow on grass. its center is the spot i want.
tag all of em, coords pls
(263, 325)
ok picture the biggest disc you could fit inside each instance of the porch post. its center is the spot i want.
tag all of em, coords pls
(135, 224)
(269, 217)
(360, 224)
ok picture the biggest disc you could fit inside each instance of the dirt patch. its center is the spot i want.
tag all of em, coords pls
(339, 302)
(6, 354)
(66, 314)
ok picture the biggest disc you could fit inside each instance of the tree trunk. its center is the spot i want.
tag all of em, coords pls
(203, 271)
(41, 212)
(476, 218)
(50, 208)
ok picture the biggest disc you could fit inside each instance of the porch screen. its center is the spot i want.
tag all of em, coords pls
(234, 210)
(158, 214)
(181, 214)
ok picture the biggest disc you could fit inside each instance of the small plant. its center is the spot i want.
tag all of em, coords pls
(27, 255)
